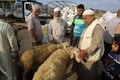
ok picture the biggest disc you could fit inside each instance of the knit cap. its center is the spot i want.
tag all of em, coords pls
(88, 12)
(56, 9)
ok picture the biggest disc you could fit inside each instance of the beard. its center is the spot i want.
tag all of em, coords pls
(57, 19)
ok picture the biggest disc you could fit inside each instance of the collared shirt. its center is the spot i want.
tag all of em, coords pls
(34, 23)
(56, 30)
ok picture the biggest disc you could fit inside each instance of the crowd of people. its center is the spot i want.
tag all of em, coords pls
(99, 48)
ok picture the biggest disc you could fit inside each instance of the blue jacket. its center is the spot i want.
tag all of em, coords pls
(113, 65)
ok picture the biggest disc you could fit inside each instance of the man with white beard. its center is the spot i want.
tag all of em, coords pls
(57, 28)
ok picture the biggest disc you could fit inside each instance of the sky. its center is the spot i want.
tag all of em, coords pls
(108, 5)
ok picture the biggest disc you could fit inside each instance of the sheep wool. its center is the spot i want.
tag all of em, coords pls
(54, 68)
(34, 57)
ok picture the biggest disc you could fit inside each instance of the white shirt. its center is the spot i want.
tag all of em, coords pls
(56, 30)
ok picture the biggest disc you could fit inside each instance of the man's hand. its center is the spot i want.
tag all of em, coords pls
(74, 54)
(16, 56)
(53, 42)
(82, 54)
(38, 42)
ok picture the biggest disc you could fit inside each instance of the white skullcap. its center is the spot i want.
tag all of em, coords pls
(88, 12)
(56, 9)
(1, 12)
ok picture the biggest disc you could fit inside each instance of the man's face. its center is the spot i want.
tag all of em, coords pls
(79, 11)
(57, 14)
(36, 12)
(115, 46)
(88, 19)
(11, 21)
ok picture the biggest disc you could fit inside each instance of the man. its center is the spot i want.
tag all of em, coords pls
(91, 47)
(11, 19)
(78, 26)
(111, 30)
(57, 28)
(34, 26)
(8, 45)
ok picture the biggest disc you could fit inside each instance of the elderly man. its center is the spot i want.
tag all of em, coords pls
(8, 45)
(91, 48)
(34, 26)
(57, 28)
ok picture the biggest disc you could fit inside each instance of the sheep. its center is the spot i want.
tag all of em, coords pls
(34, 57)
(54, 68)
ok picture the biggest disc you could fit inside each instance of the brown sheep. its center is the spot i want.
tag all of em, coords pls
(54, 68)
(34, 57)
